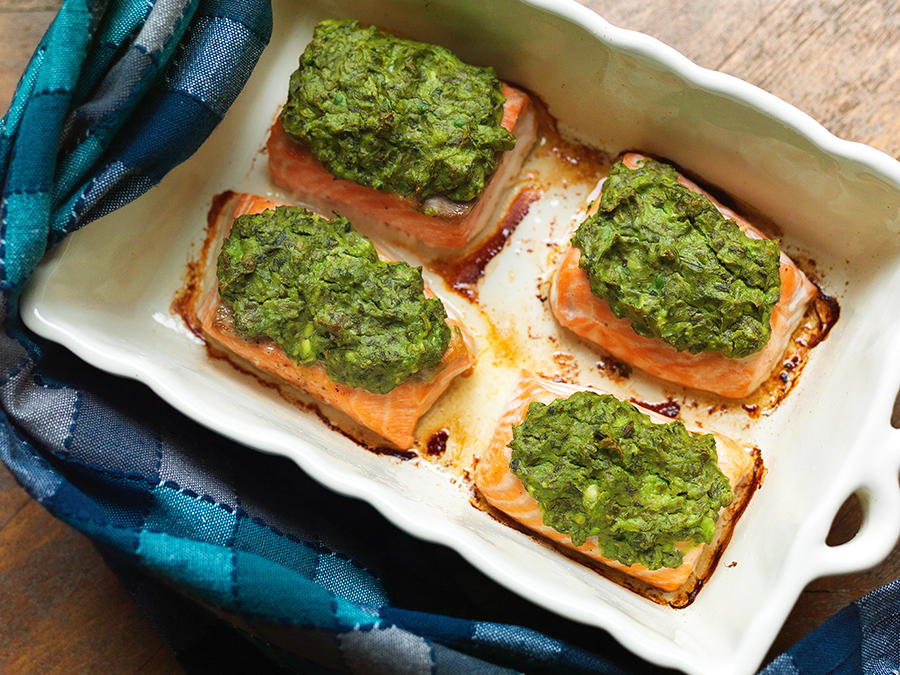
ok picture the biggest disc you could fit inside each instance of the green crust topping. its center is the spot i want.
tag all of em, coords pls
(597, 466)
(396, 115)
(665, 258)
(318, 289)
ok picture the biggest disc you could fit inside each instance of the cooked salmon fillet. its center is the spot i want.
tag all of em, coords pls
(503, 489)
(295, 169)
(392, 416)
(579, 310)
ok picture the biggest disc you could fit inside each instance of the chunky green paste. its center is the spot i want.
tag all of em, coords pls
(665, 258)
(395, 114)
(597, 466)
(318, 288)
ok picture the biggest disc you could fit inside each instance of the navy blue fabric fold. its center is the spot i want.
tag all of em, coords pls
(242, 562)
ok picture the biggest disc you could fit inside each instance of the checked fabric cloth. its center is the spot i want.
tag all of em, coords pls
(242, 562)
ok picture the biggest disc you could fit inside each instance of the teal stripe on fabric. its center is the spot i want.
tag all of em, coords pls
(203, 570)
(75, 165)
(21, 253)
(35, 171)
(185, 515)
(265, 589)
(246, 583)
(25, 230)
(122, 90)
(254, 537)
(67, 46)
(121, 22)
(349, 582)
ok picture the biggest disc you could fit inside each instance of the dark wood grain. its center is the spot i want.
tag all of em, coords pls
(837, 60)
(63, 610)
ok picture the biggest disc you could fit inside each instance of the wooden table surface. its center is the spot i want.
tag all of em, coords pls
(837, 60)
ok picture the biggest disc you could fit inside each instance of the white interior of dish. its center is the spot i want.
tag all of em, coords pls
(106, 294)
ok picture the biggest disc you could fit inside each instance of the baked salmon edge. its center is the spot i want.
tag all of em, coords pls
(577, 309)
(504, 491)
(295, 169)
(393, 416)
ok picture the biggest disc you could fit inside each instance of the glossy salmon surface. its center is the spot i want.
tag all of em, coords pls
(504, 491)
(392, 416)
(579, 310)
(295, 169)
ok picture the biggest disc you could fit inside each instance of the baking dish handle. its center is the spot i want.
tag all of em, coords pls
(879, 500)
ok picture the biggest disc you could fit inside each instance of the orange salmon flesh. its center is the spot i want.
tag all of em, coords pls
(392, 416)
(295, 169)
(504, 491)
(579, 310)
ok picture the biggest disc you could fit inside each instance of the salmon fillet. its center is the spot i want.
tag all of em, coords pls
(579, 310)
(295, 169)
(503, 489)
(392, 416)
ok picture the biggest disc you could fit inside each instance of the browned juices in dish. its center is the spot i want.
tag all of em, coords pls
(579, 310)
(393, 416)
(504, 491)
(295, 169)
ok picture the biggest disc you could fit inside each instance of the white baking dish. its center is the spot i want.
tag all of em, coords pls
(106, 294)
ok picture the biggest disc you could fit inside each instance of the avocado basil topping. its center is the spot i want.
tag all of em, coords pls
(318, 289)
(665, 258)
(597, 466)
(396, 115)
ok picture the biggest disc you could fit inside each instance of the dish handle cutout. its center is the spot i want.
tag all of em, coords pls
(879, 503)
(895, 412)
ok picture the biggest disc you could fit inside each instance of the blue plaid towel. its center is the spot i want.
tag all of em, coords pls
(217, 542)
